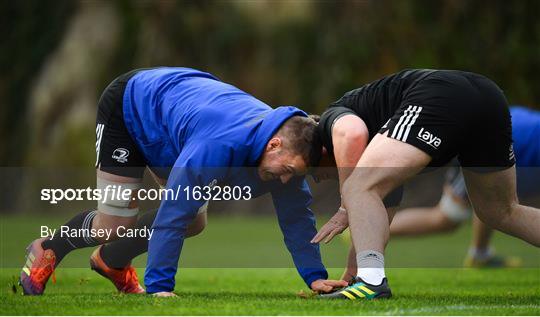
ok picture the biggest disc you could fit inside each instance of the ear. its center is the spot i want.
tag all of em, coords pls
(327, 160)
(273, 144)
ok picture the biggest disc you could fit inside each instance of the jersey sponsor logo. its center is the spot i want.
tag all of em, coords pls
(429, 138)
(405, 122)
(120, 155)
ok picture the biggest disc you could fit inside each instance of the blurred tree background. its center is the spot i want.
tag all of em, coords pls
(57, 57)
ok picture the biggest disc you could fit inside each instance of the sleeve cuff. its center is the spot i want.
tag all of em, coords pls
(328, 118)
(315, 275)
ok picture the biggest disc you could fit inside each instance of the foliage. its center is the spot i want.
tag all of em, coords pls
(306, 53)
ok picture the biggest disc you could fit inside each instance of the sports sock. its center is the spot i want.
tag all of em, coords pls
(370, 267)
(118, 254)
(62, 245)
(480, 254)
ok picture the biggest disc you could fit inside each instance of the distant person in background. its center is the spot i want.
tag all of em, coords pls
(454, 207)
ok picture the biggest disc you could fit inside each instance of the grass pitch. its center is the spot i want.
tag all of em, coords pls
(240, 267)
(274, 292)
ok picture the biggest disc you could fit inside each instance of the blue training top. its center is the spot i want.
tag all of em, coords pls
(200, 129)
(526, 135)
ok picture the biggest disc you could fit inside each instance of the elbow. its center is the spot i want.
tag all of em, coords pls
(350, 135)
(350, 128)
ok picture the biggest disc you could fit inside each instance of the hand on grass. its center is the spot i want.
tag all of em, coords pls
(326, 286)
(336, 225)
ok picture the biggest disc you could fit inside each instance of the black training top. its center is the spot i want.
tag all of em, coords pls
(375, 103)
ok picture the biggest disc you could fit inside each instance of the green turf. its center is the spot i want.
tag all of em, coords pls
(217, 278)
(274, 291)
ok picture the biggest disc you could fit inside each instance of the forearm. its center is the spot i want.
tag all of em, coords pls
(351, 268)
(163, 253)
(297, 223)
(306, 256)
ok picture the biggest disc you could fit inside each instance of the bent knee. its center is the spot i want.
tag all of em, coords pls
(495, 215)
(446, 224)
(193, 231)
(199, 223)
(118, 198)
(196, 228)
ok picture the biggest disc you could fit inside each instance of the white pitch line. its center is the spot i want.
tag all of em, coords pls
(438, 309)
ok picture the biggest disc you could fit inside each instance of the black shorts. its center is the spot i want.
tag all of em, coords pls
(116, 151)
(455, 113)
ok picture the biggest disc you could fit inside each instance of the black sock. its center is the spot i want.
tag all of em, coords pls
(63, 245)
(118, 254)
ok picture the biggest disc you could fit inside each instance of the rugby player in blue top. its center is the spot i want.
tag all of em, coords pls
(190, 129)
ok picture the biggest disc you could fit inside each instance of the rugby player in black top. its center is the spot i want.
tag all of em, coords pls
(392, 129)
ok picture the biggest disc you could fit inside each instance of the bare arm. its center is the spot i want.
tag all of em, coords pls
(349, 137)
(351, 268)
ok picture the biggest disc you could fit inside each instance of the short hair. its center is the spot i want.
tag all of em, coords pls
(302, 137)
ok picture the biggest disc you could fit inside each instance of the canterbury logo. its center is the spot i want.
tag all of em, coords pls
(121, 155)
(406, 121)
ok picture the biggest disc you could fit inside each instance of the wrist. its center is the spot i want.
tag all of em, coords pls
(315, 276)
(311, 284)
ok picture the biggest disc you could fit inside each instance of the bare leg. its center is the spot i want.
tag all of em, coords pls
(92, 219)
(385, 165)
(481, 235)
(480, 253)
(421, 221)
(351, 268)
(479, 250)
(494, 199)
(105, 221)
(119, 253)
(197, 226)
